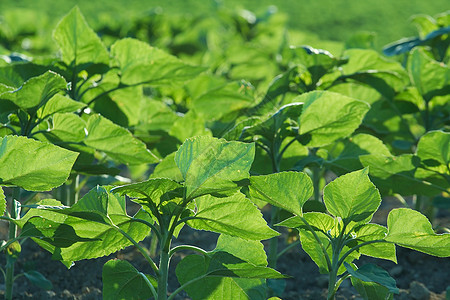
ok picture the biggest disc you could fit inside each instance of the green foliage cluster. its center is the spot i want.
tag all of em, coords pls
(194, 144)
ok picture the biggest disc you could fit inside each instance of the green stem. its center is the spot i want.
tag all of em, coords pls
(163, 277)
(142, 250)
(149, 284)
(10, 260)
(73, 190)
(186, 247)
(316, 182)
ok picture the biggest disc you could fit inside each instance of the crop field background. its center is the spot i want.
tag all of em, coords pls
(335, 20)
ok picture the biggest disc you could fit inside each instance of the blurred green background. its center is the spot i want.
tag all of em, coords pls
(335, 20)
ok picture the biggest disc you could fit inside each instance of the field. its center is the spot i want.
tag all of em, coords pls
(186, 150)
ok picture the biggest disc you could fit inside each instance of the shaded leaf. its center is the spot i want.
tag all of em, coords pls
(122, 281)
(373, 273)
(38, 280)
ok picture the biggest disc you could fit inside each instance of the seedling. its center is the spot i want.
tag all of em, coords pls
(335, 239)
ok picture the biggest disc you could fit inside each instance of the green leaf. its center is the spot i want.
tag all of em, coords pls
(66, 127)
(232, 271)
(211, 165)
(323, 226)
(234, 215)
(352, 197)
(428, 76)
(79, 44)
(33, 165)
(397, 174)
(328, 116)
(371, 290)
(190, 125)
(409, 228)
(433, 150)
(37, 91)
(2, 202)
(117, 142)
(122, 281)
(153, 193)
(222, 100)
(141, 63)
(373, 273)
(353, 148)
(97, 217)
(288, 190)
(167, 168)
(59, 104)
(56, 233)
(317, 61)
(373, 232)
(38, 280)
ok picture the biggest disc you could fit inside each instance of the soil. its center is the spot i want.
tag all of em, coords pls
(418, 276)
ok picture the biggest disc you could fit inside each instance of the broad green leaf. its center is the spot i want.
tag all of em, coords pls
(153, 194)
(59, 104)
(234, 215)
(2, 202)
(354, 147)
(211, 165)
(371, 63)
(409, 228)
(33, 165)
(167, 168)
(191, 124)
(288, 190)
(96, 217)
(141, 63)
(56, 233)
(352, 197)
(38, 280)
(373, 273)
(122, 281)
(79, 44)
(36, 92)
(396, 174)
(232, 271)
(372, 232)
(428, 76)
(277, 126)
(66, 127)
(222, 100)
(434, 151)
(328, 116)
(371, 290)
(14, 75)
(117, 142)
